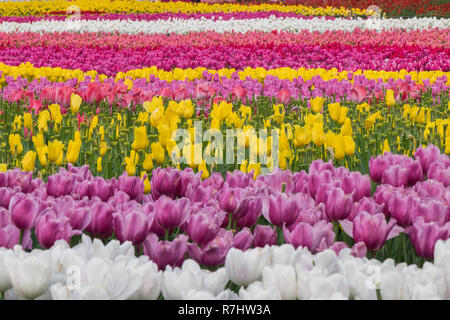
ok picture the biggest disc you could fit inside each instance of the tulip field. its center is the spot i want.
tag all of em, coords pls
(230, 150)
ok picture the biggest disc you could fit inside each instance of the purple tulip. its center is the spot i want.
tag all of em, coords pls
(402, 208)
(300, 180)
(215, 180)
(396, 176)
(133, 186)
(202, 228)
(101, 188)
(166, 253)
(9, 236)
(51, 227)
(249, 211)
(213, 253)
(337, 247)
(131, 226)
(373, 230)
(229, 199)
(264, 235)
(424, 236)
(277, 179)
(429, 189)
(338, 205)
(368, 205)
(24, 211)
(427, 156)
(440, 171)
(358, 185)
(164, 182)
(80, 218)
(318, 179)
(59, 185)
(238, 179)
(171, 214)
(308, 236)
(5, 197)
(243, 239)
(283, 209)
(432, 211)
(359, 250)
(102, 220)
(198, 193)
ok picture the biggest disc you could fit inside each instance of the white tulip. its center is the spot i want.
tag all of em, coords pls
(182, 26)
(30, 276)
(5, 281)
(257, 291)
(176, 281)
(152, 279)
(282, 277)
(244, 268)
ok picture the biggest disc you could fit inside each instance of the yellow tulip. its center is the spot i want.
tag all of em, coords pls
(55, 151)
(148, 162)
(156, 116)
(346, 129)
(15, 144)
(363, 107)
(27, 120)
(202, 167)
(75, 102)
(147, 185)
(349, 145)
(131, 163)
(73, 151)
(386, 147)
(222, 110)
(140, 138)
(3, 167)
(44, 117)
(337, 113)
(421, 116)
(317, 135)
(339, 147)
(143, 117)
(42, 153)
(28, 161)
(317, 104)
(99, 164)
(245, 111)
(55, 112)
(256, 167)
(17, 123)
(302, 136)
(390, 99)
(103, 148)
(158, 152)
(187, 108)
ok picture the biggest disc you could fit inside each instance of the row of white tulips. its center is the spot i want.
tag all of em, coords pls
(181, 26)
(92, 270)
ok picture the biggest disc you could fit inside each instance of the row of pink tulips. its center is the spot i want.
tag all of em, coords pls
(33, 94)
(110, 61)
(434, 38)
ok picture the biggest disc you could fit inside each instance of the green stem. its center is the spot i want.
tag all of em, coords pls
(405, 256)
(21, 237)
(2, 295)
(230, 221)
(379, 294)
(167, 235)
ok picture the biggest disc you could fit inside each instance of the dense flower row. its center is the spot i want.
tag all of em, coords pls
(206, 218)
(134, 6)
(183, 26)
(92, 270)
(110, 61)
(435, 38)
(135, 123)
(163, 16)
(239, 85)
